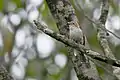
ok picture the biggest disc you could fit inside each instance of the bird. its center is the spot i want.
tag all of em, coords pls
(76, 34)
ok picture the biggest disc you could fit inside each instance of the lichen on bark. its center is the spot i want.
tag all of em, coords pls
(64, 14)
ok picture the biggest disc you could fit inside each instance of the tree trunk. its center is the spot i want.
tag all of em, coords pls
(67, 22)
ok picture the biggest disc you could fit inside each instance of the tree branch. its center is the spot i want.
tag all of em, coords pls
(4, 74)
(101, 25)
(68, 25)
(102, 34)
(96, 23)
(71, 43)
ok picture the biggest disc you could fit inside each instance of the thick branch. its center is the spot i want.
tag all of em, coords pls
(68, 25)
(104, 11)
(102, 33)
(74, 45)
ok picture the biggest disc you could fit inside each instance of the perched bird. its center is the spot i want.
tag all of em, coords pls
(77, 35)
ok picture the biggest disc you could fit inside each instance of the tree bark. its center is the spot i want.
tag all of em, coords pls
(64, 15)
(102, 33)
(4, 74)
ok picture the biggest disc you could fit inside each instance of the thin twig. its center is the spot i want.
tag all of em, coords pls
(96, 23)
(100, 65)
